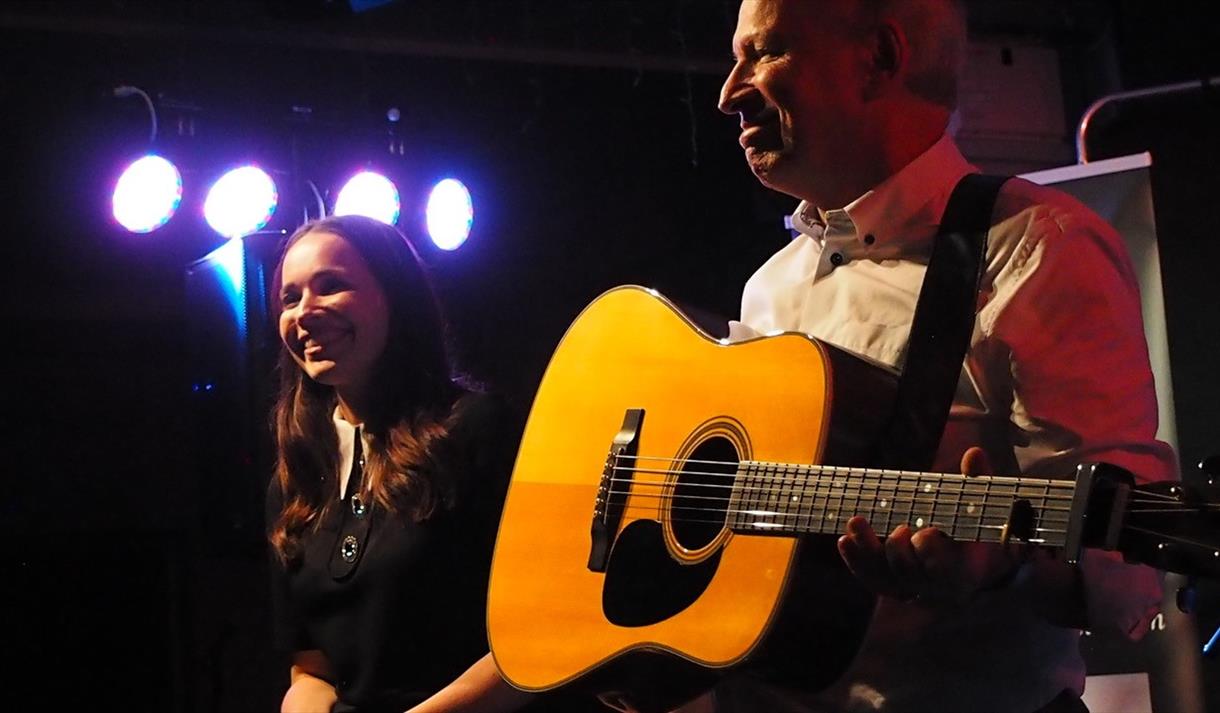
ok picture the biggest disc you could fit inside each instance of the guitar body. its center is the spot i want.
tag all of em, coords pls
(681, 598)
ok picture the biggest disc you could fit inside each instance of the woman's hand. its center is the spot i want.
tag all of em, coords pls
(309, 695)
(479, 690)
(309, 692)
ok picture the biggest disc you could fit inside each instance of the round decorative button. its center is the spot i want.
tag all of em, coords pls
(349, 549)
(359, 508)
(836, 259)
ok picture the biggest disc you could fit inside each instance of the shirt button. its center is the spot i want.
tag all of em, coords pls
(836, 259)
(349, 549)
(870, 239)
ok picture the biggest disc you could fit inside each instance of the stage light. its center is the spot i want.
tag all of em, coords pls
(371, 195)
(450, 214)
(241, 202)
(147, 194)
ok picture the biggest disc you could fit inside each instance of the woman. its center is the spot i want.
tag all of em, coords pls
(388, 482)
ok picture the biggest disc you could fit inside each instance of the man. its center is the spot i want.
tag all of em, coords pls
(844, 104)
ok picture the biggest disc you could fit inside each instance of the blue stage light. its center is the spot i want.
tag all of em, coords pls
(241, 202)
(371, 195)
(450, 214)
(147, 194)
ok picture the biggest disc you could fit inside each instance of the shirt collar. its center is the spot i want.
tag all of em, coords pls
(905, 207)
(347, 448)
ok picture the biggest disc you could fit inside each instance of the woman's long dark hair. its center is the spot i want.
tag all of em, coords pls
(412, 404)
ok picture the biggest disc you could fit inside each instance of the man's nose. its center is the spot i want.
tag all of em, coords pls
(733, 91)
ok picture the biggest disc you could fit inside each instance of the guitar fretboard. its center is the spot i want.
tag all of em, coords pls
(779, 498)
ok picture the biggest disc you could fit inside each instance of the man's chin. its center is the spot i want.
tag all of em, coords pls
(761, 161)
(768, 167)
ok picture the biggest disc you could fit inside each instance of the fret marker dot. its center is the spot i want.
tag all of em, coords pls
(883, 503)
(830, 516)
(919, 522)
(970, 508)
(795, 498)
(927, 488)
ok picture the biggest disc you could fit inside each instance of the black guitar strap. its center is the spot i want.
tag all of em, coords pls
(942, 326)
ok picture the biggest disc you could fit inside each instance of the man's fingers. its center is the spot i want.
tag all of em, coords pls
(903, 563)
(864, 555)
(941, 558)
(975, 462)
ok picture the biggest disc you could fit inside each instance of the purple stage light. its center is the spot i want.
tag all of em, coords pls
(371, 195)
(241, 202)
(450, 214)
(147, 194)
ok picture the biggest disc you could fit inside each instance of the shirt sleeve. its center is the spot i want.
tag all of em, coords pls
(288, 631)
(1067, 307)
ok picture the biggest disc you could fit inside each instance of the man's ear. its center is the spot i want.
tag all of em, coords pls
(888, 54)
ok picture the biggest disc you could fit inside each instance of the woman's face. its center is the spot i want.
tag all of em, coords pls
(334, 315)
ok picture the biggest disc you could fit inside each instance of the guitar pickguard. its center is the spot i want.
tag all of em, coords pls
(644, 585)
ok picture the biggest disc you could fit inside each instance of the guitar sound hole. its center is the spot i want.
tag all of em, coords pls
(701, 496)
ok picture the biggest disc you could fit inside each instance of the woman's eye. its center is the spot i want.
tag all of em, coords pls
(288, 300)
(330, 285)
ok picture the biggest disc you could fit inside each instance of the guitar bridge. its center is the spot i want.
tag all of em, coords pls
(614, 488)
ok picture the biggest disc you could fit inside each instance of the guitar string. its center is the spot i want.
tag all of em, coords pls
(810, 518)
(795, 527)
(1184, 508)
(802, 478)
(846, 484)
(819, 475)
(815, 492)
(808, 527)
(861, 496)
(840, 470)
(1176, 538)
(799, 530)
(1143, 497)
(883, 472)
(821, 504)
(861, 504)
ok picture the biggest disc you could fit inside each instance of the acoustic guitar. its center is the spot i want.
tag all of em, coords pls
(673, 491)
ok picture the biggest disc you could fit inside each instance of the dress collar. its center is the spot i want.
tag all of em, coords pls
(347, 448)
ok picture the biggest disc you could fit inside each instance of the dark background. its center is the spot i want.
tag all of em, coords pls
(588, 134)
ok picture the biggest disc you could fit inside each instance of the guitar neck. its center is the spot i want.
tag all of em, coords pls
(786, 499)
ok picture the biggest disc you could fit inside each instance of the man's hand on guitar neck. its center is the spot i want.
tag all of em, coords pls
(927, 565)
